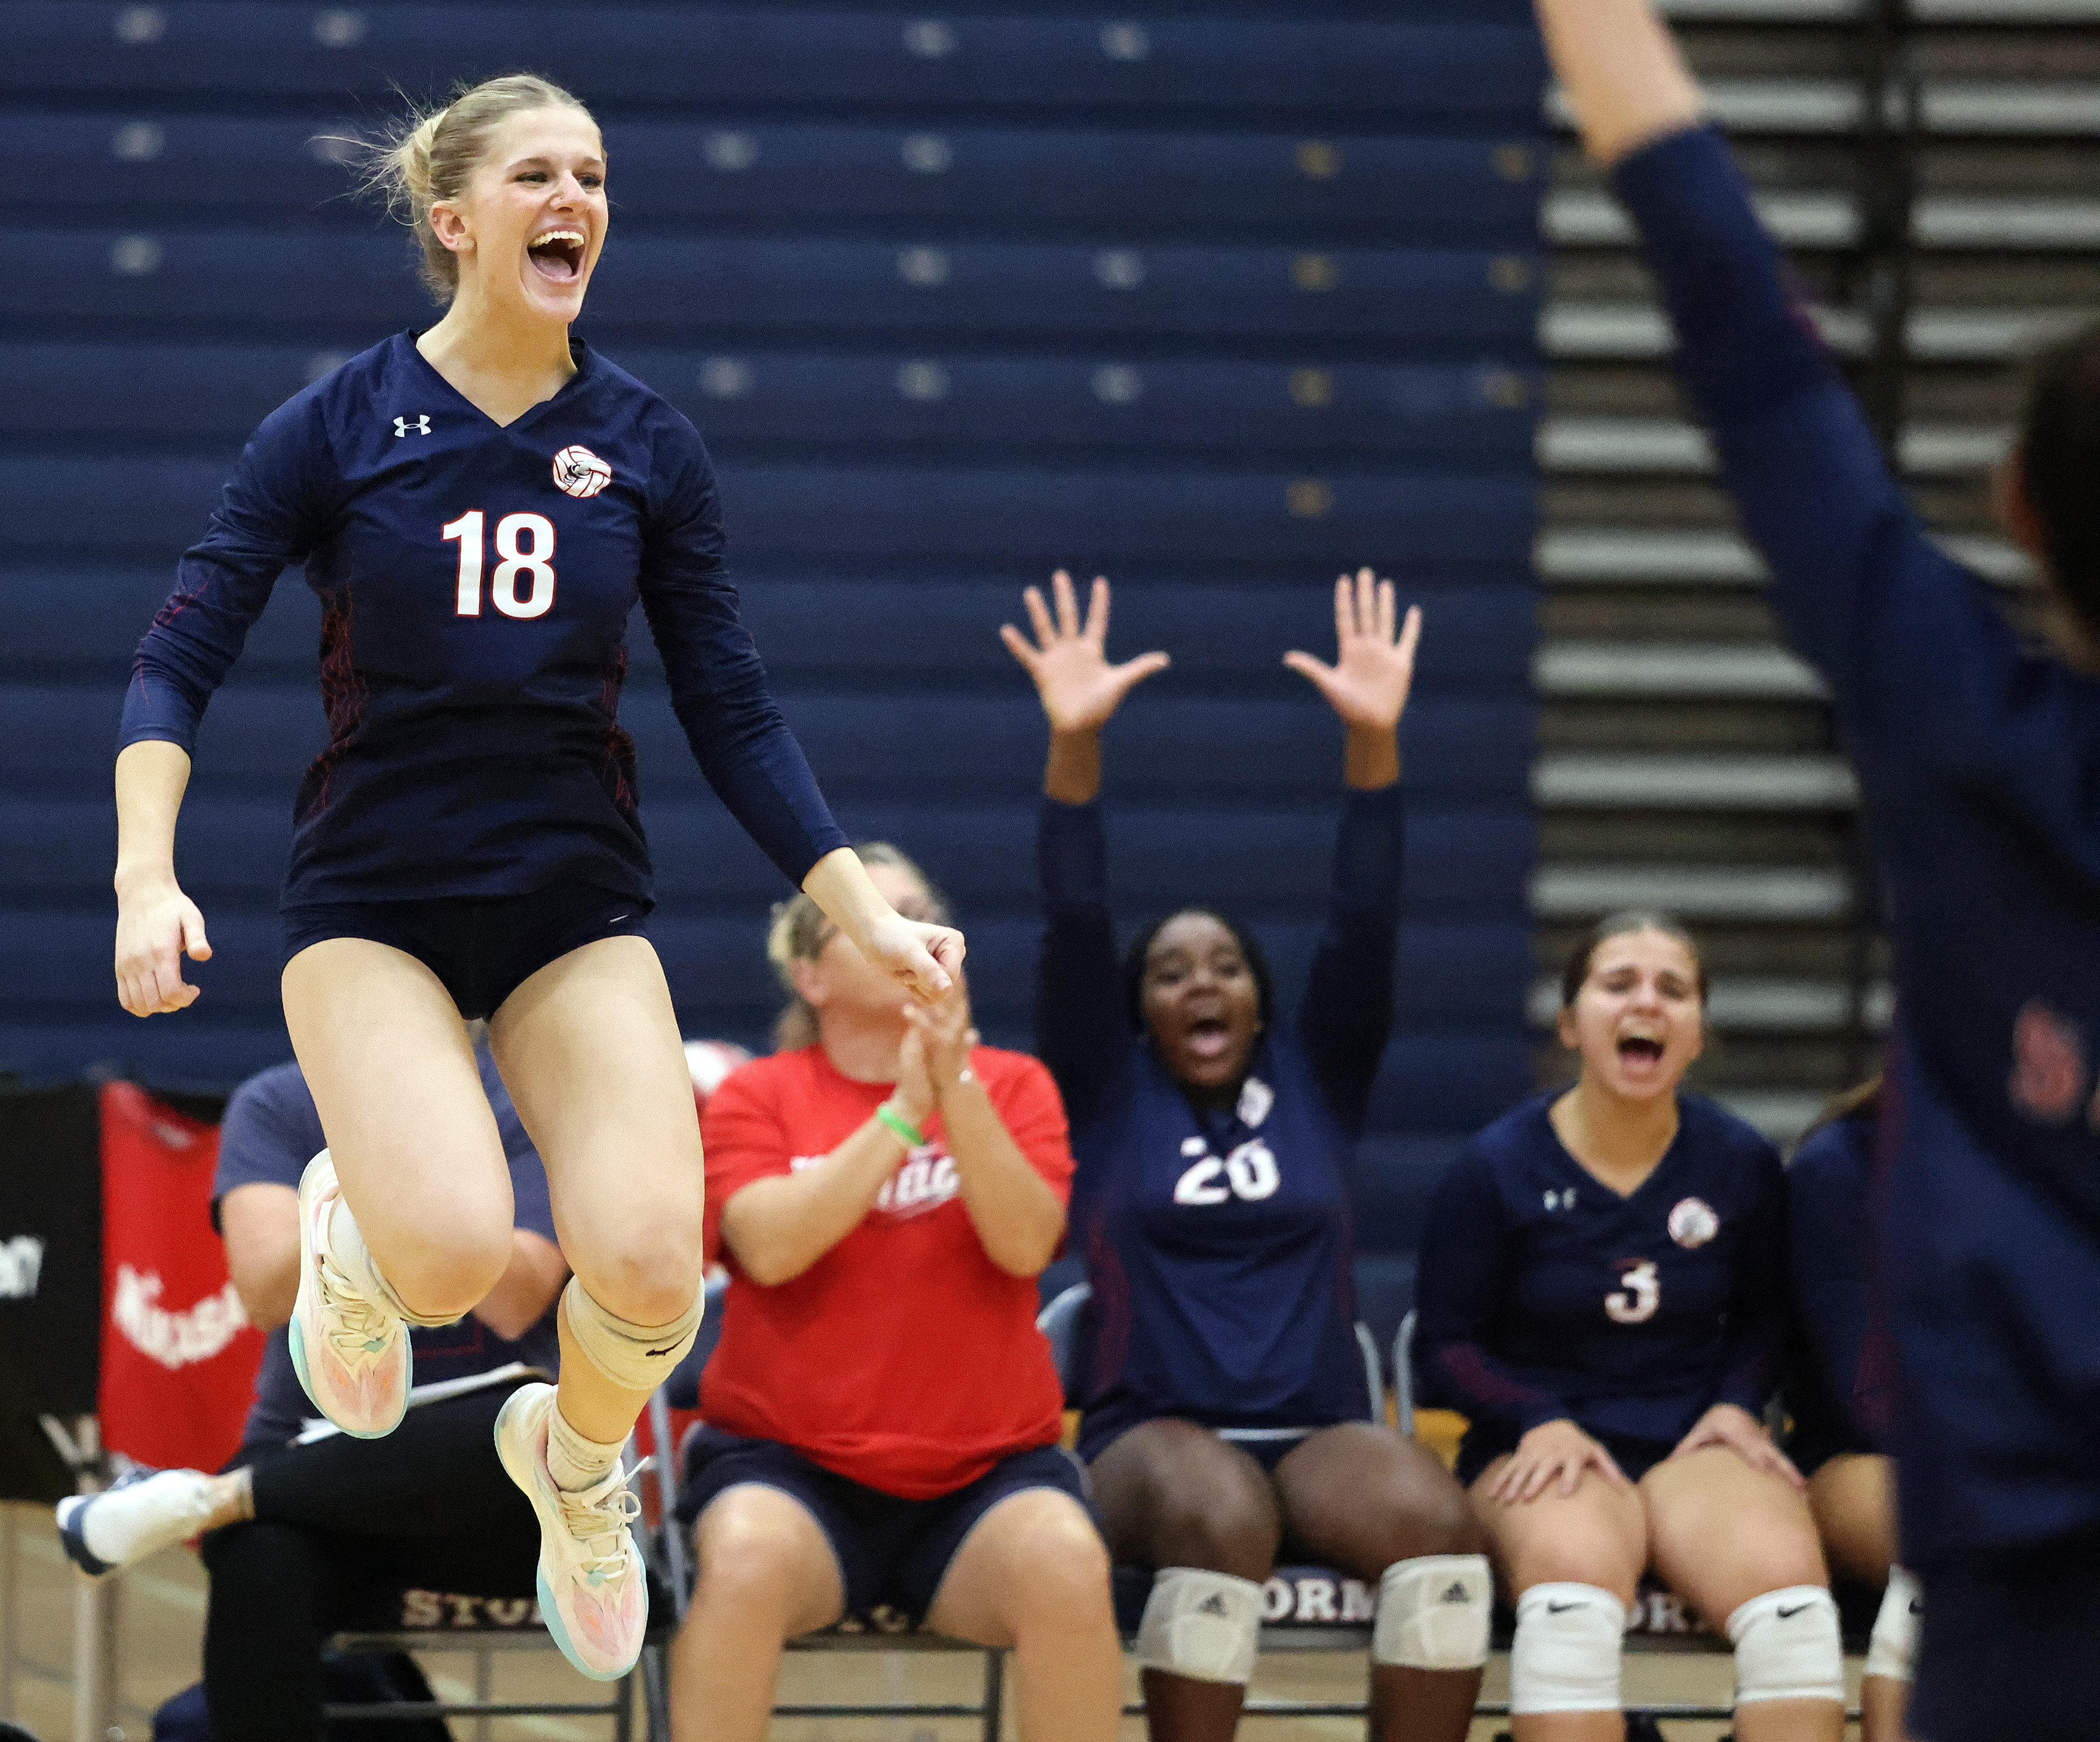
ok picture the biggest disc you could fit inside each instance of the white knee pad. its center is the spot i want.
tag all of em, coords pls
(1201, 1624)
(1433, 1612)
(1570, 1644)
(635, 1357)
(1789, 1647)
(1893, 1645)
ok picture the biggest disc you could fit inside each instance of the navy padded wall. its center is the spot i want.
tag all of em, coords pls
(1217, 300)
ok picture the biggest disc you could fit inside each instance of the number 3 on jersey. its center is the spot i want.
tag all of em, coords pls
(526, 545)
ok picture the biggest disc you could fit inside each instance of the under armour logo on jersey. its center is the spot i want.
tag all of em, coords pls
(1560, 1200)
(420, 425)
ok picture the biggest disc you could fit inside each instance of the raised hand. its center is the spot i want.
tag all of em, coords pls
(1374, 668)
(1068, 660)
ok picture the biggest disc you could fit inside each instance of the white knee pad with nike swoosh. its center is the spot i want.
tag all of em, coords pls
(1569, 1646)
(635, 1357)
(1202, 1624)
(1433, 1612)
(1893, 1644)
(1788, 1646)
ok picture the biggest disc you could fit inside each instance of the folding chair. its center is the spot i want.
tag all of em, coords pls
(1304, 1608)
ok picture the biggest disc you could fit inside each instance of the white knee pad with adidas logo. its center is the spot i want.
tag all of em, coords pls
(1894, 1642)
(1202, 1624)
(1434, 1612)
(1569, 1651)
(1788, 1646)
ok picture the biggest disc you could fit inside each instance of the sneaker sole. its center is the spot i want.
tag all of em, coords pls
(75, 1541)
(550, 1616)
(295, 1339)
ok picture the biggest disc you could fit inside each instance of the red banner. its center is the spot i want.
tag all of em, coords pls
(178, 1356)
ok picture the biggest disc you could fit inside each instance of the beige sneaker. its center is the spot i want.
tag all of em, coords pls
(351, 1354)
(594, 1593)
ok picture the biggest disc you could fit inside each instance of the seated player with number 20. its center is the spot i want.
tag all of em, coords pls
(1602, 1294)
(1223, 1389)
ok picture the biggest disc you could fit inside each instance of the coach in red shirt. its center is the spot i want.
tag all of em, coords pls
(881, 1415)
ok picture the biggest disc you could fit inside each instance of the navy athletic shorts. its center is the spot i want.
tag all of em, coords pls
(483, 947)
(2006, 1653)
(892, 1553)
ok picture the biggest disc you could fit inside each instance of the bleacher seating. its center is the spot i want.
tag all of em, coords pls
(1215, 300)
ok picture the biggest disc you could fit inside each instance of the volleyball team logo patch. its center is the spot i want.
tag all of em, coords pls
(580, 472)
(1693, 1222)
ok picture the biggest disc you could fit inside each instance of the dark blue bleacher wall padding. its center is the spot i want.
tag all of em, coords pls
(1217, 300)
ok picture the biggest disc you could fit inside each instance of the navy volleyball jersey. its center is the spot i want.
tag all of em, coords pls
(1978, 764)
(1543, 1293)
(1218, 1245)
(271, 1130)
(1828, 1249)
(476, 583)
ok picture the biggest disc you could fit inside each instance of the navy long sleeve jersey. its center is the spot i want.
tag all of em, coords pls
(1979, 769)
(1218, 1245)
(1829, 1253)
(476, 582)
(1543, 1293)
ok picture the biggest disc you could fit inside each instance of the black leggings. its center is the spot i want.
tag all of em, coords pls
(342, 1528)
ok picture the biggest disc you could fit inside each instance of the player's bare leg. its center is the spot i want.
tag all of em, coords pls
(589, 1047)
(1172, 1494)
(406, 1217)
(1724, 1534)
(1597, 1536)
(1364, 1498)
(1853, 1497)
(766, 1573)
(1032, 1576)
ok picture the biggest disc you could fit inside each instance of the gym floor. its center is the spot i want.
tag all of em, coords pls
(163, 1624)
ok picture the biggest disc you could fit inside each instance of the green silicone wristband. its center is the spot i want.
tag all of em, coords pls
(902, 1128)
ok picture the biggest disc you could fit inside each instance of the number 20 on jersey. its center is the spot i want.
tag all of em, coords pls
(525, 549)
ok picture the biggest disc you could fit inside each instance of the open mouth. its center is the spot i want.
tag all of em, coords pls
(557, 254)
(1640, 1050)
(1210, 1037)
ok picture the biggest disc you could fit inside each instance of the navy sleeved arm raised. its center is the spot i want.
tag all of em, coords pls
(1920, 663)
(1756, 1325)
(1082, 1030)
(718, 686)
(270, 514)
(1458, 1291)
(1347, 1012)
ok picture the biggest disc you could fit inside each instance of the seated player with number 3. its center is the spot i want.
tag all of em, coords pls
(1223, 1389)
(1602, 1294)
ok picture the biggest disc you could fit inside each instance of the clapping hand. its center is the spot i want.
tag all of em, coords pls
(1068, 660)
(1374, 668)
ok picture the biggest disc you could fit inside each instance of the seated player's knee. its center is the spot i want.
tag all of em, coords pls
(1568, 1650)
(1892, 1648)
(1788, 1646)
(1064, 1581)
(1578, 1553)
(1203, 1625)
(1442, 1521)
(748, 1549)
(1434, 1612)
(1215, 1515)
(635, 1356)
